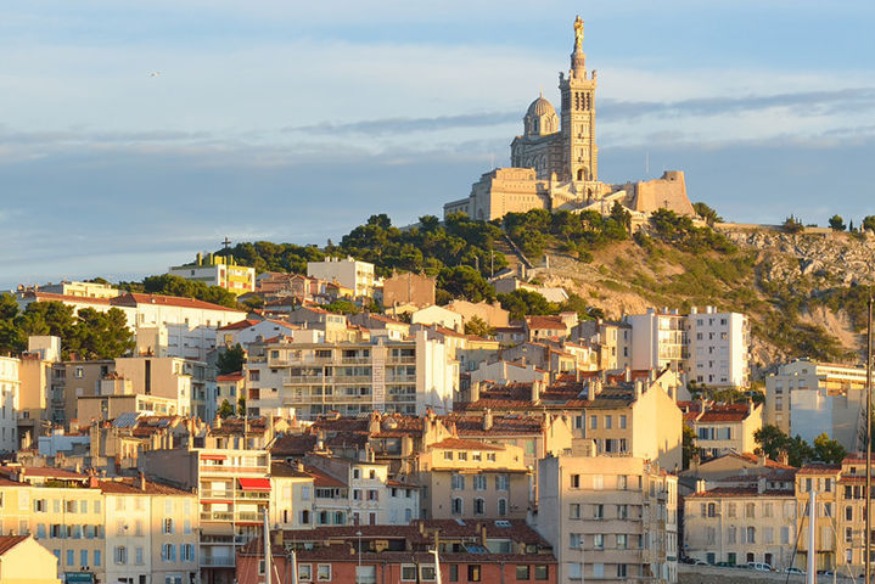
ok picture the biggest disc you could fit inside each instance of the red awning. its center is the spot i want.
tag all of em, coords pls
(213, 457)
(255, 484)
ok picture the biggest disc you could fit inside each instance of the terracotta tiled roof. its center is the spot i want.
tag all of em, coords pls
(813, 469)
(546, 322)
(50, 296)
(134, 299)
(236, 326)
(323, 479)
(293, 445)
(288, 470)
(230, 377)
(726, 492)
(126, 487)
(7, 542)
(725, 413)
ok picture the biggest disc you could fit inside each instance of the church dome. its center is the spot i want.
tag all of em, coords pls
(541, 119)
(541, 107)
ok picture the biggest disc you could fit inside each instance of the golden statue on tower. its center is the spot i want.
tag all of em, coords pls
(578, 33)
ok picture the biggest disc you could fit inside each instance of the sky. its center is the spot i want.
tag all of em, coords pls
(135, 134)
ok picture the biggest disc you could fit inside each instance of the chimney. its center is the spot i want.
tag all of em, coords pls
(595, 387)
(761, 458)
(628, 374)
(639, 388)
(475, 391)
(700, 486)
(536, 391)
(140, 483)
(487, 419)
(300, 466)
(783, 457)
(761, 485)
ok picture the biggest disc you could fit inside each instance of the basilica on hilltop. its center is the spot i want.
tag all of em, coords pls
(554, 164)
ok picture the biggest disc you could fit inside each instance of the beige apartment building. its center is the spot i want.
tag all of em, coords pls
(24, 561)
(467, 479)
(740, 524)
(234, 492)
(151, 532)
(609, 518)
(722, 428)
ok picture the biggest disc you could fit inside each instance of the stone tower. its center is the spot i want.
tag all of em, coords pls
(580, 153)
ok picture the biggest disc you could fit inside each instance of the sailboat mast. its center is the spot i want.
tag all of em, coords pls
(868, 535)
(266, 549)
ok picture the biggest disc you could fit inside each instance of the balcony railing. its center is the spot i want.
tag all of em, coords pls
(219, 562)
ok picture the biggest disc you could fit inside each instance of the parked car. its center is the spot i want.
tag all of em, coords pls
(701, 563)
(792, 570)
(726, 565)
(760, 566)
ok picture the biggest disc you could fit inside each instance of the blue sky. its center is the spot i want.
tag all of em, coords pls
(278, 121)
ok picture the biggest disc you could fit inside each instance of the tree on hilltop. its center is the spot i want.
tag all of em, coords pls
(836, 223)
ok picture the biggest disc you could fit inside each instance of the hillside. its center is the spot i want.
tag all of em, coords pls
(805, 293)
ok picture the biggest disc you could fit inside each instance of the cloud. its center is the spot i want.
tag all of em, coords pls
(405, 125)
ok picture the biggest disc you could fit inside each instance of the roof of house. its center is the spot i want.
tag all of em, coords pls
(126, 486)
(7, 542)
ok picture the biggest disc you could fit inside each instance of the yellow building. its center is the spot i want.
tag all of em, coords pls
(467, 479)
(219, 271)
(23, 561)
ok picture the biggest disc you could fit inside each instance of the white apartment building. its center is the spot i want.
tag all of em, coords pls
(719, 348)
(10, 387)
(218, 271)
(808, 398)
(711, 347)
(165, 326)
(405, 376)
(610, 519)
(349, 273)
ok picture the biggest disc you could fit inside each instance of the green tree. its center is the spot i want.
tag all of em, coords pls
(869, 223)
(792, 225)
(102, 335)
(477, 326)
(524, 302)
(466, 282)
(707, 214)
(231, 360)
(828, 450)
(225, 409)
(342, 306)
(772, 440)
(688, 447)
(241, 406)
(836, 223)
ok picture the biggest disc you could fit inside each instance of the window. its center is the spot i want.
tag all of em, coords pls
(168, 552)
(502, 507)
(750, 510)
(598, 482)
(458, 482)
(323, 573)
(448, 455)
(522, 573)
(479, 482)
(609, 422)
(542, 573)
(621, 570)
(168, 525)
(575, 541)
(622, 421)
(479, 506)
(454, 572)
(593, 423)
(427, 573)
(622, 512)
(598, 541)
(120, 555)
(97, 558)
(71, 556)
(598, 570)
(622, 482)
(408, 572)
(751, 535)
(622, 541)
(575, 481)
(474, 573)
(574, 511)
(366, 575)
(83, 557)
(186, 552)
(730, 510)
(502, 482)
(598, 511)
(458, 506)
(305, 572)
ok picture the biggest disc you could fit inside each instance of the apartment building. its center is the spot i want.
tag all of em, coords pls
(35, 376)
(823, 479)
(10, 391)
(755, 521)
(468, 479)
(150, 532)
(711, 347)
(22, 559)
(407, 376)
(506, 551)
(222, 271)
(356, 275)
(234, 493)
(721, 428)
(609, 518)
(809, 398)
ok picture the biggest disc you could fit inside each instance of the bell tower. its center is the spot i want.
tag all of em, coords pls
(579, 150)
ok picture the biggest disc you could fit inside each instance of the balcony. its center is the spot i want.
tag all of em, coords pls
(218, 562)
(223, 516)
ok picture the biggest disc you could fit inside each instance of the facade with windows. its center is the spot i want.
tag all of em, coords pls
(609, 518)
(722, 428)
(467, 479)
(10, 387)
(744, 523)
(467, 551)
(404, 376)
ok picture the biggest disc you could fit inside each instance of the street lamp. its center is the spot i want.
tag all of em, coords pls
(359, 569)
